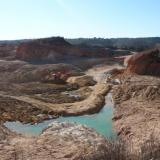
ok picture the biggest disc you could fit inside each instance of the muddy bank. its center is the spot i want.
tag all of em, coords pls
(101, 122)
(25, 105)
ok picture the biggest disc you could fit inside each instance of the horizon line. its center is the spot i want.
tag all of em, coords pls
(20, 39)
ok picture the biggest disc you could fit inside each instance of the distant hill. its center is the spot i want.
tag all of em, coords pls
(135, 44)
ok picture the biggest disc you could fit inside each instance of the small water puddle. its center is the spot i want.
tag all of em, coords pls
(101, 122)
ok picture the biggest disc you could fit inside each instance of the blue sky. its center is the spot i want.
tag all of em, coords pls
(79, 18)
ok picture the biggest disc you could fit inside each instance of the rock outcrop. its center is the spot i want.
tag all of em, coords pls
(144, 63)
(60, 141)
(83, 142)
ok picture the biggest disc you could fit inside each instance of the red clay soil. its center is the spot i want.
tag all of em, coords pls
(145, 63)
(40, 48)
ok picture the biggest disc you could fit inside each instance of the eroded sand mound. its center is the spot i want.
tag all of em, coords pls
(82, 80)
(137, 108)
(144, 63)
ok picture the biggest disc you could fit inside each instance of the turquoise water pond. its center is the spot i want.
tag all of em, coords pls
(101, 122)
